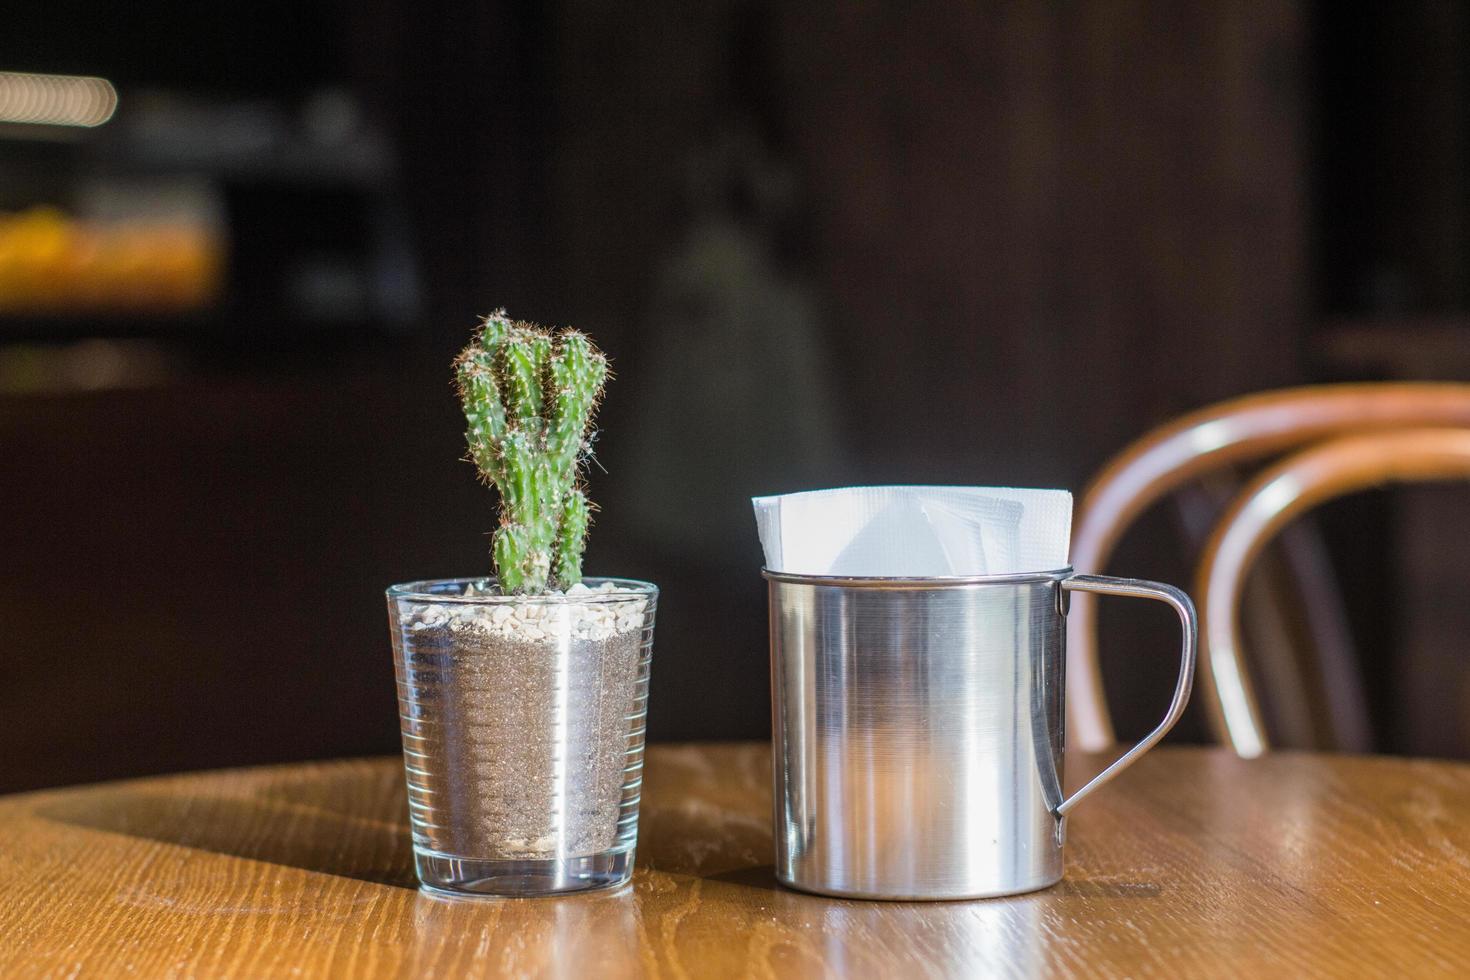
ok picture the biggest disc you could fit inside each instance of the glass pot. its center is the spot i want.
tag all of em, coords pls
(523, 726)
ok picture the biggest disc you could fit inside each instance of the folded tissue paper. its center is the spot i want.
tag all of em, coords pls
(915, 532)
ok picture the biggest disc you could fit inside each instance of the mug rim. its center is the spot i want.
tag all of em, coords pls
(917, 582)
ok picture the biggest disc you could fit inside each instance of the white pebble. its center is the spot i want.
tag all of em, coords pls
(537, 621)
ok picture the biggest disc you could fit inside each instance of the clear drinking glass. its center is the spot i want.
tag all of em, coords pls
(523, 724)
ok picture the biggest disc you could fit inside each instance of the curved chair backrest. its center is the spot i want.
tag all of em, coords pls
(1242, 430)
(1265, 506)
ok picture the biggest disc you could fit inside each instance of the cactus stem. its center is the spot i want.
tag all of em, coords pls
(529, 397)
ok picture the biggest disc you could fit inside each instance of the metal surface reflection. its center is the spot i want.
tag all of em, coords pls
(982, 939)
(918, 729)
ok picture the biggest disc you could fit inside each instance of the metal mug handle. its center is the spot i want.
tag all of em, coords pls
(1189, 623)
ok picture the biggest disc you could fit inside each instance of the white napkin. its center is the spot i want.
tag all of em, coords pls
(915, 531)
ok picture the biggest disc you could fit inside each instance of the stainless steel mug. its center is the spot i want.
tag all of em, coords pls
(918, 728)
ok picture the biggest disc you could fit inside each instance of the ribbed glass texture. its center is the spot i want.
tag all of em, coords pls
(523, 725)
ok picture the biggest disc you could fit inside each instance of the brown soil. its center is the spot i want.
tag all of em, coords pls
(497, 721)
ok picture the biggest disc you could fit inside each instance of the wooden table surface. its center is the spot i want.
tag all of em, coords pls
(1193, 863)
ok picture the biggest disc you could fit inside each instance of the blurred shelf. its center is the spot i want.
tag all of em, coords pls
(211, 329)
(1425, 347)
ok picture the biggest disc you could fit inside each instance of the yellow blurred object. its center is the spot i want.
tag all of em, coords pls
(50, 263)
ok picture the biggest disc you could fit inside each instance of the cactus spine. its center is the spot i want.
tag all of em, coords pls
(528, 397)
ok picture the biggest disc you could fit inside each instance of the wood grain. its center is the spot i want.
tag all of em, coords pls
(1194, 863)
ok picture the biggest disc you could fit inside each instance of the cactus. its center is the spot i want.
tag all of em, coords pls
(528, 397)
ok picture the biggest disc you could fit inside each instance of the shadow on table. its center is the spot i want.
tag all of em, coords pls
(295, 834)
(763, 878)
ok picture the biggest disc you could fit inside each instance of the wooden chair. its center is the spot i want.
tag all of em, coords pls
(1273, 499)
(1241, 431)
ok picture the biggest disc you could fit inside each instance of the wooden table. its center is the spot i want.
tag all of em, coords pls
(1193, 863)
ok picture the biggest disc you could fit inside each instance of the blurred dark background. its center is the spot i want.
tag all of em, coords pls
(824, 242)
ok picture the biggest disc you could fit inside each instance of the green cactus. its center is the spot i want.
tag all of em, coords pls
(528, 397)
